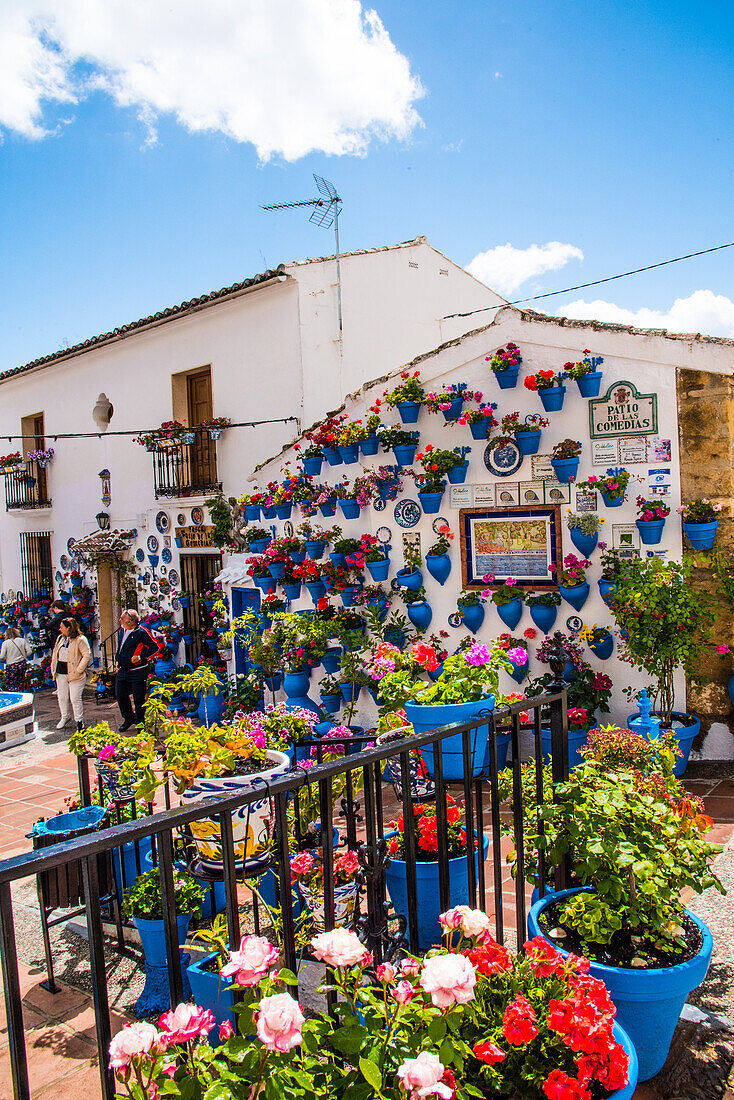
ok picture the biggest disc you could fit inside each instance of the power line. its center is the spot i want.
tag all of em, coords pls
(596, 282)
(139, 431)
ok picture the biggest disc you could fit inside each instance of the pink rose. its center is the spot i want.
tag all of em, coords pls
(410, 966)
(451, 918)
(133, 1041)
(386, 973)
(226, 1031)
(279, 1022)
(184, 1023)
(404, 992)
(421, 1077)
(252, 962)
(340, 948)
(474, 923)
(450, 979)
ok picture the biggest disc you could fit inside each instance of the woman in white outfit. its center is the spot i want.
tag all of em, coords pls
(15, 653)
(69, 661)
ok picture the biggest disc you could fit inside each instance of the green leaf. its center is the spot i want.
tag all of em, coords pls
(371, 1073)
(287, 976)
(437, 1029)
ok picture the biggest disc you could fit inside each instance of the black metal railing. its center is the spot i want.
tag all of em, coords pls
(365, 825)
(186, 469)
(28, 488)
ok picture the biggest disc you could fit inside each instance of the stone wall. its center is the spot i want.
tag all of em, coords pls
(706, 439)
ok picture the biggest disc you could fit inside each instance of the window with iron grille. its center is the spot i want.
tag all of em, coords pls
(36, 563)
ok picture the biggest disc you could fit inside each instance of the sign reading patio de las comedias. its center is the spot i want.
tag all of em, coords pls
(623, 411)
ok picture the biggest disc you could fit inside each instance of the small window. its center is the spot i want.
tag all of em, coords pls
(36, 563)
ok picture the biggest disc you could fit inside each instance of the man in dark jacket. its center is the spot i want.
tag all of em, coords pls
(58, 611)
(135, 647)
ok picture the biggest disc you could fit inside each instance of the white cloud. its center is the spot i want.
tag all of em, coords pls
(703, 311)
(290, 78)
(505, 268)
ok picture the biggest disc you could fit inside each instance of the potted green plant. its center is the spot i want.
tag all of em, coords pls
(651, 516)
(700, 522)
(505, 365)
(410, 575)
(143, 904)
(470, 604)
(436, 464)
(438, 562)
(550, 386)
(509, 600)
(407, 397)
(307, 871)
(543, 608)
(330, 692)
(612, 485)
(585, 373)
(418, 608)
(612, 568)
(572, 583)
(565, 458)
(526, 433)
(599, 639)
(481, 421)
(449, 400)
(584, 528)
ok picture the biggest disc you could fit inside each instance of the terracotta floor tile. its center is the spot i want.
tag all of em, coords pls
(55, 1005)
(83, 1083)
(53, 1053)
(81, 1021)
(721, 809)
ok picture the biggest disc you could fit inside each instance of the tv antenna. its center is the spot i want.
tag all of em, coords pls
(325, 214)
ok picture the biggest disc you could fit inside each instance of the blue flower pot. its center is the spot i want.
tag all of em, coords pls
(585, 544)
(252, 512)
(439, 566)
(649, 1002)
(575, 594)
(651, 531)
(603, 649)
(283, 511)
(701, 535)
(178, 541)
(350, 509)
(312, 466)
(328, 509)
(212, 992)
(473, 616)
(211, 708)
(379, 569)
(274, 683)
(427, 891)
(332, 456)
(430, 502)
(348, 594)
(590, 383)
(259, 546)
(331, 703)
(314, 549)
(269, 513)
(395, 636)
(576, 740)
(349, 453)
(330, 660)
(425, 717)
(420, 614)
(264, 583)
(292, 591)
(405, 454)
(457, 476)
(480, 429)
(409, 411)
(612, 502)
(338, 559)
(409, 580)
(565, 468)
(686, 728)
(316, 589)
(153, 937)
(298, 556)
(277, 569)
(510, 613)
(606, 590)
(507, 379)
(350, 692)
(543, 617)
(295, 685)
(519, 672)
(528, 443)
(553, 398)
(369, 445)
(454, 411)
(185, 601)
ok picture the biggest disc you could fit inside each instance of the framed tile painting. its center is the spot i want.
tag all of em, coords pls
(510, 542)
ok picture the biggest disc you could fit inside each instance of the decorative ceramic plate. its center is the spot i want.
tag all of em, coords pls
(64, 561)
(456, 619)
(152, 544)
(59, 577)
(407, 513)
(384, 534)
(379, 504)
(146, 578)
(140, 554)
(394, 585)
(166, 556)
(154, 588)
(503, 460)
(197, 516)
(288, 529)
(181, 519)
(438, 522)
(163, 522)
(574, 623)
(173, 576)
(163, 586)
(70, 544)
(153, 602)
(175, 604)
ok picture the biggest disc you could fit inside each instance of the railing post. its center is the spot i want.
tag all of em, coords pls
(90, 878)
(559, 739)
(13, 1006)
(170, 923)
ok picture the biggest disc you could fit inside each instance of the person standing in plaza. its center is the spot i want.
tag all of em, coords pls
(135, 647)
(70, 659)
(15, 653)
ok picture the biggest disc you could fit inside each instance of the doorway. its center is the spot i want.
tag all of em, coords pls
(197, 575)
(200, 408)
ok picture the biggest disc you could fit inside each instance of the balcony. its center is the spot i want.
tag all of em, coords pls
(186, 469)
(27, 489)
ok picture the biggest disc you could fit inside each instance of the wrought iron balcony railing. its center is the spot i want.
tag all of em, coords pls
(185, 469)
(27, 488)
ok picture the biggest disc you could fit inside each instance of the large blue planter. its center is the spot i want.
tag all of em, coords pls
(565, 468)
(295, 685)
(212, 992)
(543, 617)
(553, 398)
(425, 717)
(439, 566)
(585, 544)
(507, 379)
(589, 384)
(651, 531)
(611, 502)
(314, 549)
(405, 454)
(153, 937)
(330, 660)
(332, 456)
(283, 511)
(350, 509)
(649, 1002)
(331, 703)
(259, 546)
(576, 740)
(457, 476)
(430, 502)
(575, 594)
(211, 708)
(473, 616)
(316, 589)
(528, 443)
(409, 411)
(252, 512)
(420, 614)
(349, 453)
(428, 902)
(686, 728)
(606, 590)
(379, 569)
(292, 591)
(409, 580)
(350, 692)
(454, 411)
(312, 466)
(369, 445)
(603, 649)
(510, 613)
(701, 535)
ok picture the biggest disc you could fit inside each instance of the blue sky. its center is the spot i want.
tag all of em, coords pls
(602, 126)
